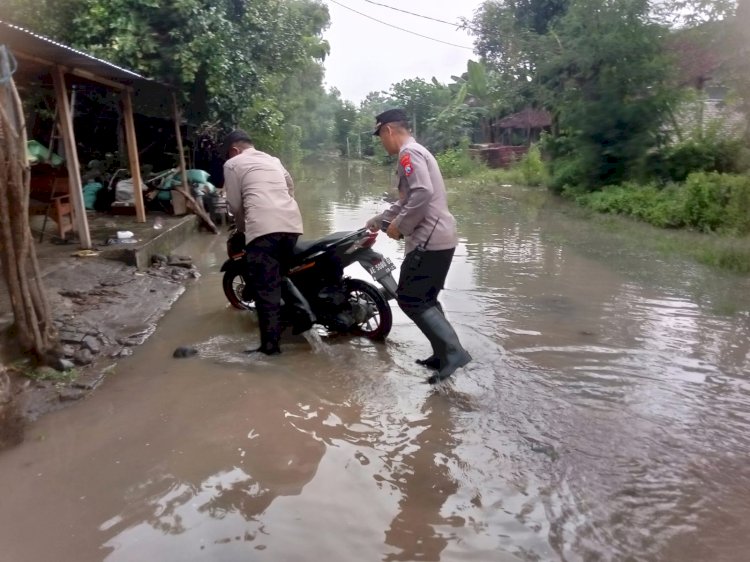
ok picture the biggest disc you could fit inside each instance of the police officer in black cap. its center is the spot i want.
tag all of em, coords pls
(422, 218)
(260, 194)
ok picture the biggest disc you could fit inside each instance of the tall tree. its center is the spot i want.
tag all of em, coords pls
(508, 34)
(18, 260)
(689, 13)
(421, 100)
(229, 59)
(373, 104)
(738, 65)
(346, 120)
(606, 81)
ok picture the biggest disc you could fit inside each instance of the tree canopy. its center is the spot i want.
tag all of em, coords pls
(234, 63)
(605, 70)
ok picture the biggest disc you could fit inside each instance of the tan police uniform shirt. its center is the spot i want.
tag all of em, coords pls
(260, 195)
(421, 212)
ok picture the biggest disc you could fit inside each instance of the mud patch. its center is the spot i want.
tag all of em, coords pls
(101, 309)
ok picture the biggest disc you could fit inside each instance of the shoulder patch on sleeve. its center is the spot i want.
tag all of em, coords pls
(406, 164)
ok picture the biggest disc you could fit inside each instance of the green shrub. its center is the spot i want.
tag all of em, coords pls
(707, 201)
(707, 154)
(660, 207)
(564, 173)
(718, 202)
(737, 220)
(580, 168)
(685, 158)
(532, 167)
(456, 162)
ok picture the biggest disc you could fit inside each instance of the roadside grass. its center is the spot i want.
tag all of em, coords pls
(707, 217)
(522, 182)
(708, 202)
(35, 373)
(724, 252)
(725, 248)
(731, 254)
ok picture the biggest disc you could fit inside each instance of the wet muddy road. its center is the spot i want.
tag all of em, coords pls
(606, 416)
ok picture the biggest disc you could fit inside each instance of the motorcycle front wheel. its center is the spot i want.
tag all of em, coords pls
(233, 284)
(377, 317)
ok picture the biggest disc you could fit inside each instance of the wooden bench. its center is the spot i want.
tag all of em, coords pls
(50, 196)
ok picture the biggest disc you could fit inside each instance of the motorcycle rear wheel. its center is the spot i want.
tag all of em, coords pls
(233, 285)
(378, 325)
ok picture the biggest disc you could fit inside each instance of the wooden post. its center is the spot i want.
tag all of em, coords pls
(184, 188)
(135, 165)
(180, 150)
(71, 158)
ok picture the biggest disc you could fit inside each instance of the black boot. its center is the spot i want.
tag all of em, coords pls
(444, 341)
(433, 361)
(302, 315)
(267, 349)
(269, 323)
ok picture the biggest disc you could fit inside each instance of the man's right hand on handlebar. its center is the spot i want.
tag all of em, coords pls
(374, 224)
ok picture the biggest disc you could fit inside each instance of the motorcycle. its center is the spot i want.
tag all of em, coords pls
(318, 284)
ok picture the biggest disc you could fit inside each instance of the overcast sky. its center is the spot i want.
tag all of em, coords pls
(369, 56)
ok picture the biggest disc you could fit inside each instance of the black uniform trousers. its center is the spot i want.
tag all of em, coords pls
(268, 259)
(421, 279)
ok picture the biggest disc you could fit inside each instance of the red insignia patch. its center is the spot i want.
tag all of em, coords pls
(406, 163)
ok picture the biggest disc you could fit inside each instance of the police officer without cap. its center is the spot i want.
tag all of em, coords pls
(421, 215)
(260, 195)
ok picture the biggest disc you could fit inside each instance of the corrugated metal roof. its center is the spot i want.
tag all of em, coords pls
(24, 40)
(149, 96)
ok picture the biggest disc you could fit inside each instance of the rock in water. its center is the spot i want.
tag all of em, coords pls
(184, 351)
(83, 356)
(180, 261)
(61, 364)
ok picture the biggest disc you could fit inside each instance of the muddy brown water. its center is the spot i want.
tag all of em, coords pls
(606, 416)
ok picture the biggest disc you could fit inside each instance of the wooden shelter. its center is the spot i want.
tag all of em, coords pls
(511, 136)
(523, 128)
(36, 56)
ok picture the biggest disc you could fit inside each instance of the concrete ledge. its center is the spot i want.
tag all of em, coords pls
(152, 241)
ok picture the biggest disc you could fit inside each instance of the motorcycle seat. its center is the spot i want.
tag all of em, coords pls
(311, 246)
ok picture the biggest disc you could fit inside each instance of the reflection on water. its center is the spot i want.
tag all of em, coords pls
(606, 415)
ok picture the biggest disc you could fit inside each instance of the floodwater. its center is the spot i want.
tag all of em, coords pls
(606, 416)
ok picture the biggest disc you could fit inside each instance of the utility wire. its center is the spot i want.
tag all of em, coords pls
(401, 28)
(453, 24)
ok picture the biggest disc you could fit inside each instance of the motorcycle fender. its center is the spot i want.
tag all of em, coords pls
(368, 257)
(231, 264)
(371, 257)
(390, 287)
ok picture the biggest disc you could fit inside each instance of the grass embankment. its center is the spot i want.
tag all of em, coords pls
(706, 217)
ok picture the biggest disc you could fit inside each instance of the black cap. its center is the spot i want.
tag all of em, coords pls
(238, 135)
(390, 116)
